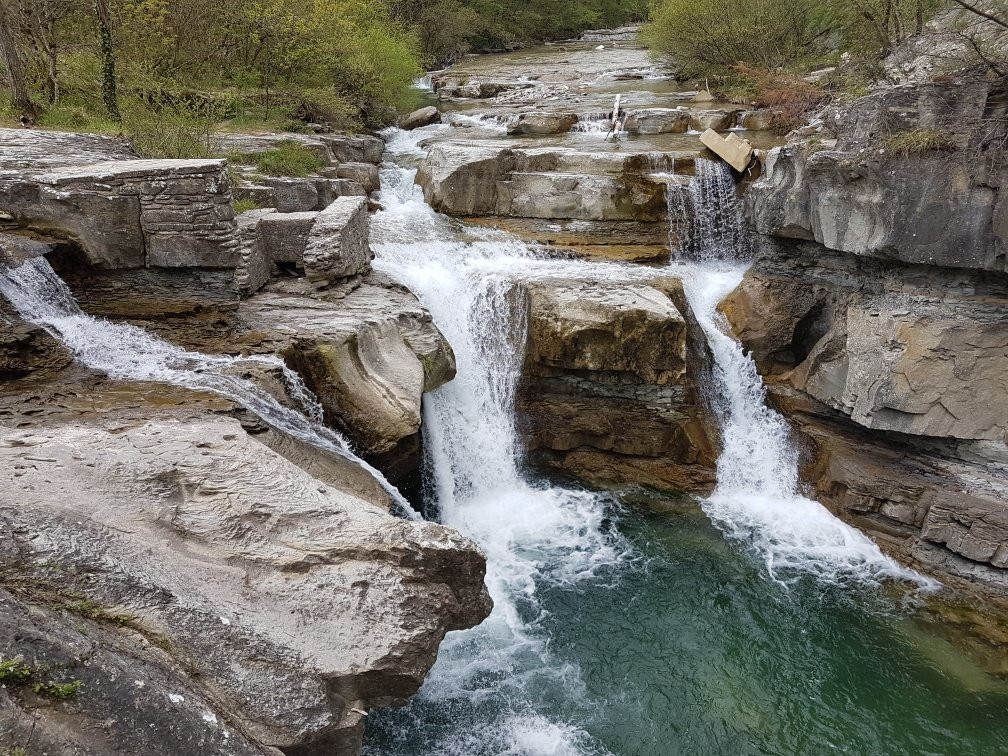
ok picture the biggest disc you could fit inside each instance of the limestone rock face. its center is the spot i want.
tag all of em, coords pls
(290, 603)
(338, 244)
(877, 309)
(938, 207)
(540, 183)
(607, 394)
(422, 117)
(364, 174)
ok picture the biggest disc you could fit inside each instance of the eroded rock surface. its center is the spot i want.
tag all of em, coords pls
(293, 606)
(878, 311)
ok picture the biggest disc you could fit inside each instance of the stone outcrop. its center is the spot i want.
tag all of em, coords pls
(658, 121)
(125, 213)
(878, 312)
(280, 610)
(541, 124)
(540, 183)
(608, 392)
(338, 244)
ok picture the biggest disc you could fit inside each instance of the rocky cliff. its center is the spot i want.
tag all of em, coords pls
(877, 311)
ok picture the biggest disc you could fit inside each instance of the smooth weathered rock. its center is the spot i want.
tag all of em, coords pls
(542, 124)
(338, 244)
(718, 120)
(738, 153)
(291, 612)
(658, 121)
(133, 697)
(419, 118)
(15, 249)
(605, 394)
(355, 148)
(368, 354)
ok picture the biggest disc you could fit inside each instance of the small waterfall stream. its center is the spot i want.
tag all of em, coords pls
(757, 499)
(126, 352)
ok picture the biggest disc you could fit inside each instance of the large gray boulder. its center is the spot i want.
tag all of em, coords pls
(339, 243)
(419, 118)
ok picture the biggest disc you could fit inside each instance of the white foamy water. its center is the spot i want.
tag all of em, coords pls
(126, 352)
(757, 499)
(533, 533)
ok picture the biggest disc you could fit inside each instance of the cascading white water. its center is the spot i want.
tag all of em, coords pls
(757, 499)
(534, 534)
(126, 352)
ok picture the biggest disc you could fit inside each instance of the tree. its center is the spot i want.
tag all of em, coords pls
(110, 96)
(13, 46)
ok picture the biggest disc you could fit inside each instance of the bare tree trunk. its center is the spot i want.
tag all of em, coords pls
(110, 97)
(12, 46)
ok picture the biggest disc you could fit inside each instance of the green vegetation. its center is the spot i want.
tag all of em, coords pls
(289, 158)
(15, 673)
(245, 205)
(917, 141)
(450, 28)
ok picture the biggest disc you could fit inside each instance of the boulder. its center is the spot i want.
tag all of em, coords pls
(757, 120)
(542, 124)
(737, 152)
(658, 121)
(338, 244)
(283, 237)
(718, 120)
(419, 118)
(364, 174)
(295, 613)
(356, 148)
(369, 354)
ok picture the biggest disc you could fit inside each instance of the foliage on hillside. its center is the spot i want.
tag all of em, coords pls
(345, 62)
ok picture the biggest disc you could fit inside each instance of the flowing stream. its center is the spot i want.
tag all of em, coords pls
(643, 630)
(126, 352)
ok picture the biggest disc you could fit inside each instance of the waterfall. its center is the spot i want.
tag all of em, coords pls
(757, 498)
(535, 535)
(126, 352)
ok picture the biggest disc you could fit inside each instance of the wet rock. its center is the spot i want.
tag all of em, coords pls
(605, 393)
(294, 605)
(718, 120)
(369, 354)
(658, 121)
(877, 310)
(418, 118)
(543, 124)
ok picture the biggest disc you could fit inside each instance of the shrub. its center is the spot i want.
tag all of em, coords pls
(245, 205)
(170, 130)
(289, 158)
(788, 96)
(707, 37)
(917, 141)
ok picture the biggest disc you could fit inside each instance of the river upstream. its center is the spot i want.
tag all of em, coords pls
(629, 622)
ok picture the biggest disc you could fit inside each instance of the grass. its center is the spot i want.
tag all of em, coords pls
(918, 141)
(15, 673)
(289, 158)
(245, 205)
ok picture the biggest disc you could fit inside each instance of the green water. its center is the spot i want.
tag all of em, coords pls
(686, 647)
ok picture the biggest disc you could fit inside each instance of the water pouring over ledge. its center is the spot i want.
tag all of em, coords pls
(129, 353)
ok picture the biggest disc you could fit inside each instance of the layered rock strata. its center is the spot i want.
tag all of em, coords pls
(878, 311)
(608, 392)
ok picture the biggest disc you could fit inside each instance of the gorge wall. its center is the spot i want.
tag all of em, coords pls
(877, 311)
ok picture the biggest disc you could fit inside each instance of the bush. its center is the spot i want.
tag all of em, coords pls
(707, 37)
(170, 131)
(788, 96)
(289, 159)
